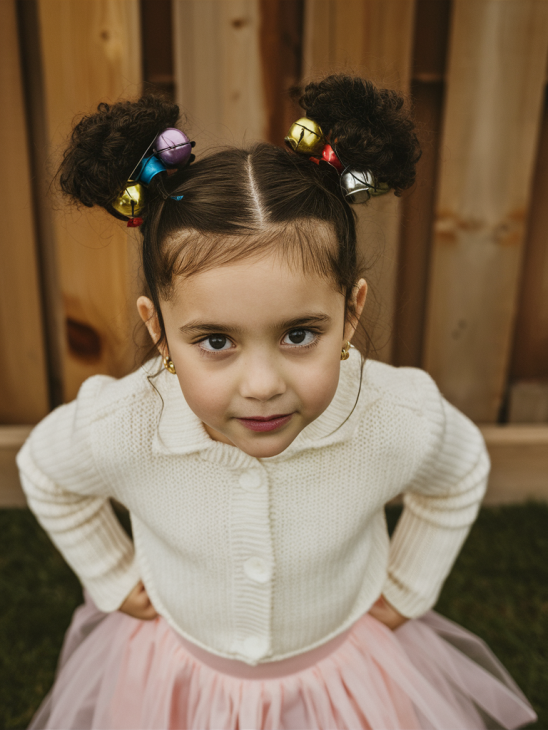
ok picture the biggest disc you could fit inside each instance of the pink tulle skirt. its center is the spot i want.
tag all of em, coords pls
(118, 672)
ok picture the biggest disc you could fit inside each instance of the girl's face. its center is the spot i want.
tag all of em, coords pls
(256, 346)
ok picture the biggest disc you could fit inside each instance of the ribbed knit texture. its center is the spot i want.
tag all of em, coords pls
(259, 559)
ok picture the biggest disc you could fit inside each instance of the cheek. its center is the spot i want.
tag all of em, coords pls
(318, 385)
(207, 394)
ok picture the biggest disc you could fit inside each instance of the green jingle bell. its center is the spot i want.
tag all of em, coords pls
(131, 200)
(306, 137)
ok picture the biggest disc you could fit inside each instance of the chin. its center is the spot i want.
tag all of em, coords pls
(264, 450)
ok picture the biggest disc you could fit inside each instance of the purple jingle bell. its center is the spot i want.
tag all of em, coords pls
(173, 147)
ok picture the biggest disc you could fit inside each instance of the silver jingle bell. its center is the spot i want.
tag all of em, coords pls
(359, 186)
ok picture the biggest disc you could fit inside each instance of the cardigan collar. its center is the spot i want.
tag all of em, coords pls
(180, 431)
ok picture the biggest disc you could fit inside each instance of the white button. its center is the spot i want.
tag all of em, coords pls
(250, 480)
(255, 647)
(257, 569)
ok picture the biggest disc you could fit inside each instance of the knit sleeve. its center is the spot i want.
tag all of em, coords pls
(70, 500)
(440, 504)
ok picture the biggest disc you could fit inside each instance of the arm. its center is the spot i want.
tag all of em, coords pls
(70, 500)
(440, 505)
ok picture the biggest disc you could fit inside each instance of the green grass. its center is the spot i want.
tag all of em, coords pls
(498, 589)
(39, 592)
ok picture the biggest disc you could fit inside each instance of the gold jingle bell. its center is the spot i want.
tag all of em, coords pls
(305, 136)
(131, 201)
(358, 186)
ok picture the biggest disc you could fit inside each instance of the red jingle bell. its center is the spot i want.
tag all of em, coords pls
(330, 156)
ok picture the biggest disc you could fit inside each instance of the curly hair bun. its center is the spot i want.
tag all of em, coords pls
(106, 146)
(370, 127)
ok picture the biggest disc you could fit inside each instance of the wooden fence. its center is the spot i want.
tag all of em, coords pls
(458, 265)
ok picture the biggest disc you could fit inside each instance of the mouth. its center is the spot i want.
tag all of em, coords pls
(268, 423)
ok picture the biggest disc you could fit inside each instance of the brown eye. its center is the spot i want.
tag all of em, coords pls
(299, 337)
(215, 343)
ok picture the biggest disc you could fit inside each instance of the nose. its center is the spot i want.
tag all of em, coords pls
(261, 379)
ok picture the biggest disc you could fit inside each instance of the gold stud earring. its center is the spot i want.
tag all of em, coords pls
(169, 365)
(345, 352)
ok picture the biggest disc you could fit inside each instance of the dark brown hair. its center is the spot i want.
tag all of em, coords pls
(242, 202)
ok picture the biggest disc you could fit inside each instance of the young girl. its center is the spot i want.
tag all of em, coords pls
(261, 589)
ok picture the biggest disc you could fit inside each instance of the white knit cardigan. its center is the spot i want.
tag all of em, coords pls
(259, 559)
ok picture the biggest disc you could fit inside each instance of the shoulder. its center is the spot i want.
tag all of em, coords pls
(70, 425)
(402, 387)
(375, 396)
(414, 410)
(65, 445)
(406, 404)
(103, 395)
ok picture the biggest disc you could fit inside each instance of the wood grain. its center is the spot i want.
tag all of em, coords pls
(373, 39)
(91, 53)
(23, 378)
(11, 440)
(432, 20)
(495, 83)
(519, 463)
(418, 203)
(281, 31)
(157, 46)
(218, 73)
(528, 402)
(368, 37)
(530, 347)
(416, 232)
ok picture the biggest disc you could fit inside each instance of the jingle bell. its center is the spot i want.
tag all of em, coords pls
(148, 168)
(380, 189)
(173, 147)
(130, 202)
(305, 136)
(359, 186)
(329, 155)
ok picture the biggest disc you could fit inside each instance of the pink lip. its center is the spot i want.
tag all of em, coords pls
(257, 423)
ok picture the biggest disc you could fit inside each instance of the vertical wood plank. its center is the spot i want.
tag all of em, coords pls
(218, 71)
(371, 38)
(318, 37)
(11, 440)
(90, 53)
(494, 95)
(52, 310)
(528, 402)
(530, 348)
(281, 61)
(431, 37)
(427, 93)
(389, 41)
(157, 46)
(23, 378)
(386, 58)
(416, 232)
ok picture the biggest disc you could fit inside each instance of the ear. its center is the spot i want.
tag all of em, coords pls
(359, 294)
(148, 314)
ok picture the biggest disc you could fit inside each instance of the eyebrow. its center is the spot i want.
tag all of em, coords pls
(197, 327)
